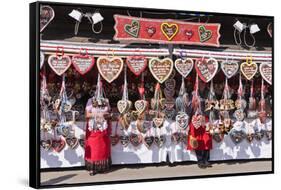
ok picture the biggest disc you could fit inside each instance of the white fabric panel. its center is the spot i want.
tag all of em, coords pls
(226, 150)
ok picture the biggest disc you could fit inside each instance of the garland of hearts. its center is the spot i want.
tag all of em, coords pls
(169, 92)
(125, 104)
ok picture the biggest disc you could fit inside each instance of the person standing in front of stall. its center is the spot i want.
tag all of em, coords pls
(199, 138)
(97, 142)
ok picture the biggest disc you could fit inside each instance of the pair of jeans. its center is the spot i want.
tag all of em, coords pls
(203, 156)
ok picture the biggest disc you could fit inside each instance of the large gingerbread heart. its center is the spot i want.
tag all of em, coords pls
(204, 34)
(206, 69)
(136, 64)
(83, 63)
(182, 120)
(169, 30)
(196, 121)
(229, 68)
(124, 140)
(184, 66)
(148, 141)
(110, 67)
(72, 142)
(133, 28)
(135, 139)
(58, 144)
(47, 14)
(158, 121)
(141, 106)
(160, 140)
(266, 72)
(124, 106)
(161, 69)
(46, 144)
(249, 69)
(59, 64)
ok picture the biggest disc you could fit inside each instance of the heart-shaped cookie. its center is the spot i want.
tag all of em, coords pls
(150, 31)
(72, 142)
(182, 120)
(148, 141)
(124, 106)
(82, 142)
(158, 121)
(266, 72)
(206, 69)
(250, 137)
(160, 140)
(161, 69)
(114, 139)
(229, 68)
(110, 67)
(133, 28)
(184, 66)
(124, 140)
(63, 130)
(136, 64)
(237, 136)
(59, 64)
(249, 69)
(196, 121)
(204, 34)
(125, 120)
(47, 14)
(218, 137)
(42, 59)
(135, 139)
(141, 106)
(170, 113)
(83, 63)
(58, 144)
(169, 30)
(46, 144)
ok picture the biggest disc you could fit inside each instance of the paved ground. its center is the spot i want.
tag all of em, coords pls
(141, 172)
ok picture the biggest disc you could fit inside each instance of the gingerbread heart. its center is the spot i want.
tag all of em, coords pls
(169, 30)
(148, 141)
(83, 63)
(150, 31)
(141, 106)
(249, 69)
(182, 120)
(229, 68)
(158, 121)
(196, 121)
(82, 142)
(218, 137)
(160, 140)
(47, 14)
(72, 142)
(161, 69)
(135, 139)
(110, 67)
(206, 69)
(170, 113)
(114, 139)
(59, 64)
(63, 130)
(266, 72)
(204, 34)
(46, 144)
(133, 28)
(124, 140)
(58, 144)
(237, 136)
(136, 64)
(184, 66)
(124, 106)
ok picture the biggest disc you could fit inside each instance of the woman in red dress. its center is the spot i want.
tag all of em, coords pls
(200, 140)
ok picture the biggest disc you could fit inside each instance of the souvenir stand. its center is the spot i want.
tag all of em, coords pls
(152, 67)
